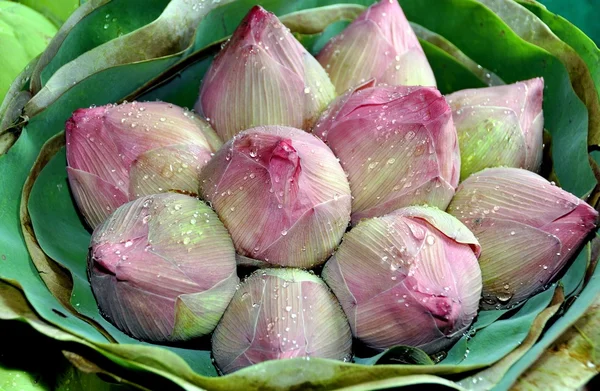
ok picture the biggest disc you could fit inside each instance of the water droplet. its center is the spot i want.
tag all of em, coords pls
(504, 297)
(288, 308)
(284, 232)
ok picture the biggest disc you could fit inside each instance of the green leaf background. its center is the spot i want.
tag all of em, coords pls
(461, 43)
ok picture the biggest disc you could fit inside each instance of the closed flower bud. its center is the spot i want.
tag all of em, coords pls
(263, 76)
(398, 146)
(499, 126)
(528, 229)
(408, 278)
(279, 314)
(281, 193)
(119, 153)
(162, 268)
(379, 44)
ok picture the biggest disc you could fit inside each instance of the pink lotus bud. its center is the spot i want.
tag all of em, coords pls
(379, 44)
(119, 153)
(408, 278)
(263, 76)
(499, 126)
(162, 268)
(279, 314)
(398, 146)
(528, 229)
(281, 193)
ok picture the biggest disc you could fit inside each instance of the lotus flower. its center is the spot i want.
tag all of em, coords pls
(278, 314)
(408, 278)
(528, 229)
(499, 126)
(282, 195)
(118, 153)
(398, 146)
(379, 44)
(162, 268)
(263, 76)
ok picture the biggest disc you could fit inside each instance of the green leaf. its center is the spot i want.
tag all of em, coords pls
(54, 45)
(581, 14)
(24, 34)
(12, 107)
(315, 20)
(119, 16)
(56, 11)
(474, 29)
(488, 77)
(532, 29)
(572, 361)
(494, 341)
(398, 355)
(449, 73)
(573, 279)
(315, 42)
(488, 378)
(586, 298)
(178, 85)
(571, 35)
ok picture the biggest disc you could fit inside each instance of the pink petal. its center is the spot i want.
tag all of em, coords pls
(96, 198)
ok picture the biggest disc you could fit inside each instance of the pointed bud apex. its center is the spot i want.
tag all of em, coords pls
(282, 195)
(499, 126)
(148, 265)
(120, 153)
(379, 44)
(398, 146)
(279, 314)
(528, 229)
(408, 278)
(263, 76)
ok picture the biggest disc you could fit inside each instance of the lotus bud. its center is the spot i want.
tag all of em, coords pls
(119, 153)
(279, 314)
(398, 146)
(263, 76)
(162, 268)
(408, 278)
(528, 229)
(499, 126)
(282, 195)
(379, 44)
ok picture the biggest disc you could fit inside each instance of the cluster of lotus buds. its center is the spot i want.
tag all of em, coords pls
(274, 171)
